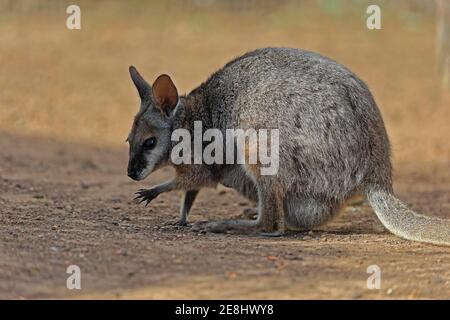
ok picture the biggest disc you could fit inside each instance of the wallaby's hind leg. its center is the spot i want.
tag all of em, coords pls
(306, 213)
(270, 221)
(270, 211)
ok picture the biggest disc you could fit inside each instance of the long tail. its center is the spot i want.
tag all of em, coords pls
(405, 223)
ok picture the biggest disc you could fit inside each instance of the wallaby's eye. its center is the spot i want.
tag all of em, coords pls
(150, 143)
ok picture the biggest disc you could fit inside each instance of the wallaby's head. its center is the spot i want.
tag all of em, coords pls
(149, 139)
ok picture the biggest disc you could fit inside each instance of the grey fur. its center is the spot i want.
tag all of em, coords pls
(333, 144)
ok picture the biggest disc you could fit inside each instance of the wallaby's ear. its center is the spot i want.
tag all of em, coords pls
(165, 93)
(142, 86)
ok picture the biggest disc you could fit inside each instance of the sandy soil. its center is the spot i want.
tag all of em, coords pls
(70, 204)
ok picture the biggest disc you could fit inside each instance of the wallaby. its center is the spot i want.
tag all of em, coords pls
(332, 143)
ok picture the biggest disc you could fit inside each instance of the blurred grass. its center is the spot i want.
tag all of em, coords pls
(74, 85)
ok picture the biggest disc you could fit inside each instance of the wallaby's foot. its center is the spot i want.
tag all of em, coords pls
(272, 234)
(176, 222)
(146, 195)
(225, 226)
(209, 226)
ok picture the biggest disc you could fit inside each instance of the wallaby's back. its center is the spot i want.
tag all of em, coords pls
(331, 132)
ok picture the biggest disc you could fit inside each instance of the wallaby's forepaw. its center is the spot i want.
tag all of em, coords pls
(146, 195)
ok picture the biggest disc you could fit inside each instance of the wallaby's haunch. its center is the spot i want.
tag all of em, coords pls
(332, 143)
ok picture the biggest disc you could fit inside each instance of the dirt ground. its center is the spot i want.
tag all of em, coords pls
(67, 103)
(69, 204)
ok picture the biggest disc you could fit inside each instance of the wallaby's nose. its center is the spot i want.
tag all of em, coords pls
(132, 174)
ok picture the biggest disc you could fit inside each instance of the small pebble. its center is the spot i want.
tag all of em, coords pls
(84, 185)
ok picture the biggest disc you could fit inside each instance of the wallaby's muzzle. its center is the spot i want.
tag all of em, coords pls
(132, 174)
(136, 166)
